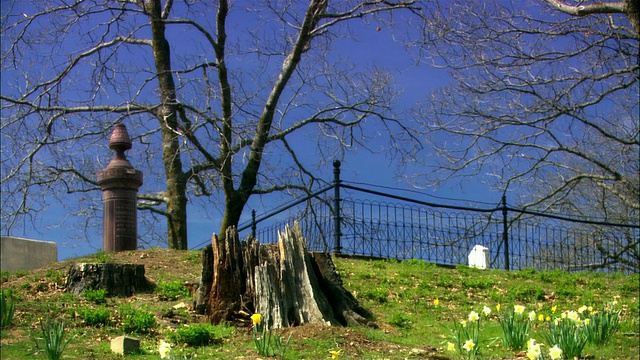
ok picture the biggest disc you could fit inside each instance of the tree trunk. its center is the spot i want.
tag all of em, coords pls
(167, 115)
(282, 281)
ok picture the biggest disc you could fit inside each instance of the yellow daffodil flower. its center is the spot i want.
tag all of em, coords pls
(256, 319)
(451, 346)
(334, 354)
(498, 307)
(541, 318)
(436, 302)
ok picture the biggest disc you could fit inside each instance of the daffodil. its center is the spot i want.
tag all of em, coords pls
(582, 309)
(498, 307)
(468, 345)
(555, 352)
(463, 323)
(486, 310)
(587, 321)
(256, 319)
(436, 302)
(548, 318)
(451, 346)
(519, 309)
(164, 349)
(473, 316)
(541, 318)
(533, 350)
(532, 315)
(573, 316)
(334, 354)
(554, 308)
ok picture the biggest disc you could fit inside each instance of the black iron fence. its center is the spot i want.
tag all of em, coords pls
(383, 225)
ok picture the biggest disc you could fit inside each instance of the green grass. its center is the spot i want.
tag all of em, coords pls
(401, 295)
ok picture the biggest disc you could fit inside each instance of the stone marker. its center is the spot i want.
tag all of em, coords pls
(119, 183)
(125, 345)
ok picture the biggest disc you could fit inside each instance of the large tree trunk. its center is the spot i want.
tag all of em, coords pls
(282, 281)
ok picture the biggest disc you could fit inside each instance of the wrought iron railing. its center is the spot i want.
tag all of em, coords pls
(383, 225)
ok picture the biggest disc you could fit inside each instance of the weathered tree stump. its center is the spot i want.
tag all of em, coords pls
(228, 277)
(282, 281)
(116, 279)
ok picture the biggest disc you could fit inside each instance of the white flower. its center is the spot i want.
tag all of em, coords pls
(532, 315)
(486, 310)
(164, 349)
(473, 316)
(573, 316)
(468, 345)
(533, 350)
(518, 309)
(555, 352)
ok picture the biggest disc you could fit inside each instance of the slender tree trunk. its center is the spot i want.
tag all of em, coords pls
(234, 205)
(175, 197)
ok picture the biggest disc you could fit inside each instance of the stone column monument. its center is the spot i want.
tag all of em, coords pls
(119, 183)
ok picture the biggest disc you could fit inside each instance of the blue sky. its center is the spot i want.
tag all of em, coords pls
(373, 47)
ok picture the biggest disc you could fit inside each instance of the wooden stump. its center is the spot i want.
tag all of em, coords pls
(116, 279)
(228, 277)
(282, 281)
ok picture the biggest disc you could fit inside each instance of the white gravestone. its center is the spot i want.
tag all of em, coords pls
(479, 257)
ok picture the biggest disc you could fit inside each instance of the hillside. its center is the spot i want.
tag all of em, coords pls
(416, 305)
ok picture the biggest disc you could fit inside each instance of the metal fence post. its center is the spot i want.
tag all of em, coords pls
(505, 231)
(336, 205)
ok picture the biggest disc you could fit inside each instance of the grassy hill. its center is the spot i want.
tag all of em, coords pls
(417, 306)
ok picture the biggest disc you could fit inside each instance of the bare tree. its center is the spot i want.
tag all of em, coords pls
(543, 104)
(220, 97)
(540, 101)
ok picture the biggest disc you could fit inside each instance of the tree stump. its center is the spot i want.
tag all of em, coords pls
(116, 279)
(282, 281)
(228, 277)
